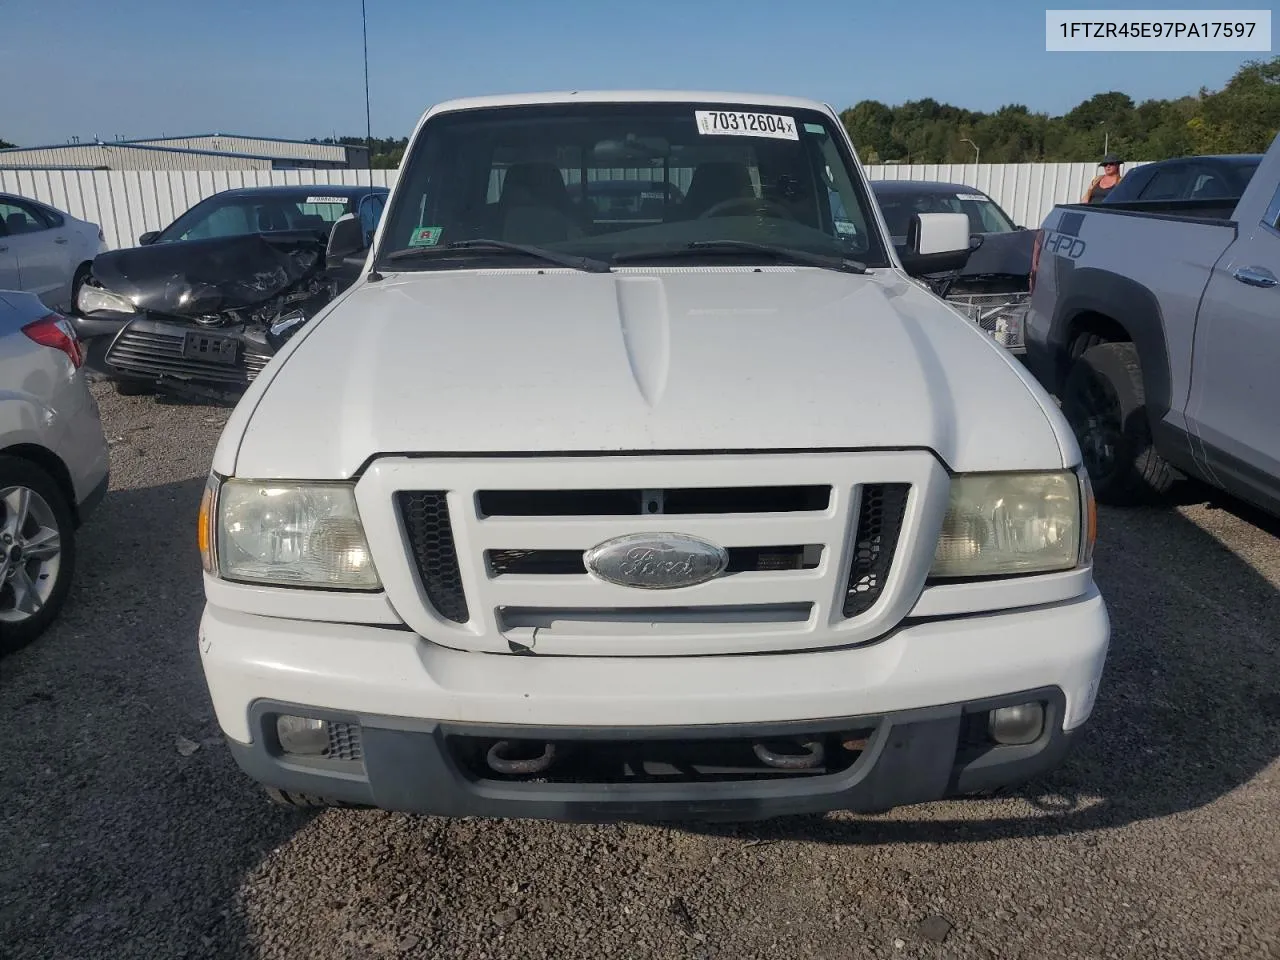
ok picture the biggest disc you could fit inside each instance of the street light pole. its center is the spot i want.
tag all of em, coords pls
(977, 153)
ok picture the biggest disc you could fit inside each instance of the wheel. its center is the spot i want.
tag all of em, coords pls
(134, 388)
(37, 551)
(299, 801)
(1082, 343)
(1104, 401)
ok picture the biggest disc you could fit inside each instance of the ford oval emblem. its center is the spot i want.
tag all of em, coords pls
(656, 561)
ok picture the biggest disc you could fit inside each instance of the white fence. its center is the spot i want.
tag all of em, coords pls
(129, 202)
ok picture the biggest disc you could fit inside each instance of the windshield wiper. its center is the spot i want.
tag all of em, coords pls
(495, 246)
(695, 247)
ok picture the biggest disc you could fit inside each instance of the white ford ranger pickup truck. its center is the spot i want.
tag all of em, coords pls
(637, 478)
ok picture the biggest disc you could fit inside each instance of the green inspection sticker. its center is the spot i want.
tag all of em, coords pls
(425, 236)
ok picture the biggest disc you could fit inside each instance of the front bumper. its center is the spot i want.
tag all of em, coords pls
(144, 347)
(409, 701)
(647, 774)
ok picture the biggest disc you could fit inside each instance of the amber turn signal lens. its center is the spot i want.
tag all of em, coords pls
(204, 528)
(1090, 517)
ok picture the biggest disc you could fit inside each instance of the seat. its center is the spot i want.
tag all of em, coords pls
(16, 223)
(312, 221)
(535, 206)
(271, 218)
(715, 182)
(1211, 189)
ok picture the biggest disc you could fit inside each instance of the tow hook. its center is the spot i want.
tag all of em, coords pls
(790, 754)
(513, 756)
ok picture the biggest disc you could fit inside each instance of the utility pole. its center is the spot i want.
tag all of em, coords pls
(977, 152)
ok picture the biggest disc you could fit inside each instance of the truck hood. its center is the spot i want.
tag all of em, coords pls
(654, 360)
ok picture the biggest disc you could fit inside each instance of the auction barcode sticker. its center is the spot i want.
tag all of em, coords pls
(737, 123)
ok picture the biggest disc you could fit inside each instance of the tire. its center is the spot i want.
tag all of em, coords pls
(27, 610)
(134, 388)
(1082, 343)
(1104, 401)
(299, 801)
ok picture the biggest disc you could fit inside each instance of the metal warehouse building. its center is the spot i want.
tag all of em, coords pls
(214, 151)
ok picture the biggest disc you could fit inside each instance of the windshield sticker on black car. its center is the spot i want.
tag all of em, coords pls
(326, 199)
(739, 124)
(970, 196)
(425, 236)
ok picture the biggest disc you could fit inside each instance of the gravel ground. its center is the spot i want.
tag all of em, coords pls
(126, 831)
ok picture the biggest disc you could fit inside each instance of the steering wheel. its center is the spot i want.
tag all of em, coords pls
(751, 203)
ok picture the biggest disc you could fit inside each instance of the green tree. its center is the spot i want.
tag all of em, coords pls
(1242, 117)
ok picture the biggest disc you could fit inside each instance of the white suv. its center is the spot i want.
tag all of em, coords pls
(565, 515)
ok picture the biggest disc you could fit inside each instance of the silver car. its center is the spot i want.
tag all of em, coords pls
(45, 251)
(54, 466)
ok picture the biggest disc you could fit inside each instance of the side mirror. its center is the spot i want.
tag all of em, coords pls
(936, 243)
(148, 238)
(346, 240)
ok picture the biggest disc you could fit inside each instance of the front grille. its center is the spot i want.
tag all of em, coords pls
(621, 503)
(500, 570)
(425, 514)
(569, 562)
(880, 517)
(154, 350)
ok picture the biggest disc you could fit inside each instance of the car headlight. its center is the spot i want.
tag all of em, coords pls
(285, 534)
(1003, 524)
(92, 299)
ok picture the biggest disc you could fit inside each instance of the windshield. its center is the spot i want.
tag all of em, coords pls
(985, 215)
(236, 216)
(611, 179)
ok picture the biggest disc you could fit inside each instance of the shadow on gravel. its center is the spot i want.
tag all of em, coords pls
(1188, 710)
(126, 829)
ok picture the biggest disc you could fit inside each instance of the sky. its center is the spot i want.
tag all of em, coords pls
(294, 68)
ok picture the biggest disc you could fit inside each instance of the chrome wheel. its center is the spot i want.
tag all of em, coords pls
(30, 553)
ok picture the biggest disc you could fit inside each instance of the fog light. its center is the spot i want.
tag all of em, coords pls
(1016, 725)
(303, 735)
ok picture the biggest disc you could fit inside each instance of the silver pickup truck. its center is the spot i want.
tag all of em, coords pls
(1157, 325)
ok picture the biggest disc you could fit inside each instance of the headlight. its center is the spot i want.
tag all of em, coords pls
(286, 534)
(1002, 524)
(92, 299)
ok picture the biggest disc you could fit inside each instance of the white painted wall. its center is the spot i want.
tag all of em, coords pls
(127, 203)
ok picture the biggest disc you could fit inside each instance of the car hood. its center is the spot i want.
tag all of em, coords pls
(519, 361)
(1002, 253)
(195, 277)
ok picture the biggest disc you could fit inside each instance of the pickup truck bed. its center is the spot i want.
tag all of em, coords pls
(1155, 324)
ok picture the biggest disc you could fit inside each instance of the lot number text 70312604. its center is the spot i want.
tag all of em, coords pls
(734, 122)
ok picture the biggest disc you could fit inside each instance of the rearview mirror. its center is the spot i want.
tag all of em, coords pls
(148, 238)
(936, 243)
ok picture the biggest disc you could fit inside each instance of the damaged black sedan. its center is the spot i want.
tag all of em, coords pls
(199, 309)
(993, 288)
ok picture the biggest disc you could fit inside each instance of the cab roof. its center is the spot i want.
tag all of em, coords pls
(629, 96)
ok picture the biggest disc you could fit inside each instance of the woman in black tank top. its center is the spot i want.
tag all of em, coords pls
(1105, 182)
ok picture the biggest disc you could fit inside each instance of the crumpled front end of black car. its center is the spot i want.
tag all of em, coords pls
(203, 318)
